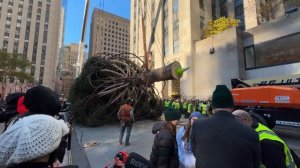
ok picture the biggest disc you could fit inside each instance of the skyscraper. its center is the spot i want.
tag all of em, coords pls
(33, 28)
(264, 44)
(109, 33)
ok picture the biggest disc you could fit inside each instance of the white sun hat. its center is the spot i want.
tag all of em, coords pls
(30, 138)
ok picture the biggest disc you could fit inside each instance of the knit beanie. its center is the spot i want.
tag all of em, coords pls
(30, 138)
(196, 114)
(222, 97)
(42, 100)
(172, 114)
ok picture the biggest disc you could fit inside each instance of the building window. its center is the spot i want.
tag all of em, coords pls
(47, 13)
(5, 44)
(290, 5)
(223, 8)
(239, 13)
(40, 4)
(278, 51)
(201, 4)
(29, 14)
(27, 30)
(249, 57)
(39, 11)
(202, 20)
(25, 50)
(45, 37)
(214, 9)
(43, 57)
(6, 33)
(16, 45)
(175, 27)
(10, 3)
(166, 29)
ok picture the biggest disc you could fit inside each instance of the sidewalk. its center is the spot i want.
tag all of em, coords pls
(104, 143)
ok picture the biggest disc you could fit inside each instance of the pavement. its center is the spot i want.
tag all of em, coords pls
(96, 147)
(102, 143)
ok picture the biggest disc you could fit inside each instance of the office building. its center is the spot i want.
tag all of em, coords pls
(108, 33)
(68, 72)
(263, 46)
(33, 29)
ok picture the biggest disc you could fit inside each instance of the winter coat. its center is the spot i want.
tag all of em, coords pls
(222, 141)
(164, 150)
(186, 157)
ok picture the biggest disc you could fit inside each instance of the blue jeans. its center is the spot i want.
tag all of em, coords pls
(127, 125)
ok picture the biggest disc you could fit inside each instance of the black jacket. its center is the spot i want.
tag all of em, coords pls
(222, 141)
(164, 150)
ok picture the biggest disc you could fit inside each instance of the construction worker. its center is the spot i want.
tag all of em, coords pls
(204, 108)
(167, 103)
(191, 107)
(176, 104)
(275, 152)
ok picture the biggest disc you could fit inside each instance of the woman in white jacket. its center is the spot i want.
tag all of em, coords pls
(186, 157)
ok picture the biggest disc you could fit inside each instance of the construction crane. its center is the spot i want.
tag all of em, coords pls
(82, 46)
(147, 51)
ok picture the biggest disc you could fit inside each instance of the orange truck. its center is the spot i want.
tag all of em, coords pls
(274, 104)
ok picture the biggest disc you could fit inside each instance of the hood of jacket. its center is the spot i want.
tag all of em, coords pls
(157, 126)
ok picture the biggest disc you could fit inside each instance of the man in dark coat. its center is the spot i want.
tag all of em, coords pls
(275, 152)
(221, 140)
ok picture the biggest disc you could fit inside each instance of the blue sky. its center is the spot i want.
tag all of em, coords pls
(74, 17)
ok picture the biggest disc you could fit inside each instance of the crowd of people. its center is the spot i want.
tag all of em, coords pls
(215, 136)
(34, 137)
(226, 138)
(187, 106)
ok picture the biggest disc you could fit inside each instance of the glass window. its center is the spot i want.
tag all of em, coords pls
(223, 8)
(201, 4)
(43, 57)
(249, 57)
(32, 70)
(5, 43)
(290, 5)
(27, 30)
(175, 26)
(25, 50)
(45, 37)
(16, 45)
